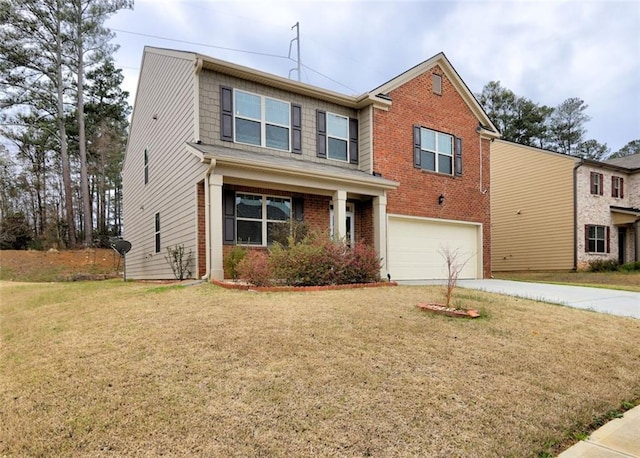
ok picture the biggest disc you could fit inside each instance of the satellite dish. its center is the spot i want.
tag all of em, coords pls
(122, 247)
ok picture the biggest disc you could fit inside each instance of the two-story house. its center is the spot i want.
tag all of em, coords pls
(220, 154)
(551, 211)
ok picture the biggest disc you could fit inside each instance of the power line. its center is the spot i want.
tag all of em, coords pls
(200, 44)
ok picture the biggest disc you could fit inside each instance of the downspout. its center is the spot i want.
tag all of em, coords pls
(207, 219)
(575, 213)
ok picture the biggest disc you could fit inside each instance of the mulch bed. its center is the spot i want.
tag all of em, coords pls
(229, 284)
(448, 311)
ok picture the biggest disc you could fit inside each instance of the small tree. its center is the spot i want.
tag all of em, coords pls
(454, 267)
(179, 261)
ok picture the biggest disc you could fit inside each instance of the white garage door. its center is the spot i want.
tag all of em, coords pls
(415, 246)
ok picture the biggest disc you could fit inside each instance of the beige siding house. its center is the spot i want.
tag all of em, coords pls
(220, 155)
(551, 211)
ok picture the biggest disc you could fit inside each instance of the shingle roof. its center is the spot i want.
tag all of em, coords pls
(630, 162)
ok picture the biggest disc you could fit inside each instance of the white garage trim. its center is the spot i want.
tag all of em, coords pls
(414, 245)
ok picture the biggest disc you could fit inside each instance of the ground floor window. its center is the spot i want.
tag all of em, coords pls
(157, 232)
(258, 216)
(597, 239)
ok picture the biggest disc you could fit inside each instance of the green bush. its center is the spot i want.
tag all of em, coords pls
(233, 258)
(255, 268)
(603, 265)
(630, 267)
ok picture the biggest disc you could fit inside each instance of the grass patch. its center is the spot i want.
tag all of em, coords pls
(627, 281)
(104, 367)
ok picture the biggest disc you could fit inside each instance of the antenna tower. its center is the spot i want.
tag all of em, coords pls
(297, 40)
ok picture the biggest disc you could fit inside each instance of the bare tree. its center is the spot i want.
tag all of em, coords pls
(454, 267)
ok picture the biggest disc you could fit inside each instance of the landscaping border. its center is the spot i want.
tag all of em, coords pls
(247, 287)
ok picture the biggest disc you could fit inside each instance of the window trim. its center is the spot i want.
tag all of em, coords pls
(146, 165)
(596, 183)
(617, 187)
(264, 220)
(454, 151)
(263, 121)
(605, 239)
(335, 137)
(156, 232)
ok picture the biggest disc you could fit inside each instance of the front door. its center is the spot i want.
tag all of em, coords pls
(350, 236)
(622, 244)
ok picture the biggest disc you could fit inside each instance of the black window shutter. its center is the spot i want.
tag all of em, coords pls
(296, 128)
(586, 238)
(229, 217)
(621, 187)
(608, 234)
(416, 146)
(298, 209)
(353, 140)
(593, 183)
(601, 183)
(321, 124)
(226, 113)
(458, 155)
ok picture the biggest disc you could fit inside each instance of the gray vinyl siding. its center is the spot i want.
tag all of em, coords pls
(166, 90)
(210, 83)
(366, 139)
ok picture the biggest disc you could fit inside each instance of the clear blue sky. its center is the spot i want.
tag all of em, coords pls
(546, 51)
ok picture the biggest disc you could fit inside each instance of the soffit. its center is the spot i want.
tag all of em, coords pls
(624, 215)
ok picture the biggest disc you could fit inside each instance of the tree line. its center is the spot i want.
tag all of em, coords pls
(63, 121)
(561, 129)
(63, 124)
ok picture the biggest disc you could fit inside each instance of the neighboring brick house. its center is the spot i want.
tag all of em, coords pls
(608, 210)
(219, 155)
(550, 211)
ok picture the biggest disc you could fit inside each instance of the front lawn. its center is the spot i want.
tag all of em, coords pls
(137, 369)
(629, 281)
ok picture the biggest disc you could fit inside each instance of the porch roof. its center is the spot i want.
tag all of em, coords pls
(624, 215)
(306, 172)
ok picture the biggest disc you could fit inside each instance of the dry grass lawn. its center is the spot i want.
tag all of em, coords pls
(140, 369)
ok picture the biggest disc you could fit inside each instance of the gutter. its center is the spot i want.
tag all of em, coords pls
(575, 213)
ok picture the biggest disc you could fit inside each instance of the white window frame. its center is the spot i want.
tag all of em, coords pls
(437, 152)
(336, 137)
(597, 184)
(263, 220)
(263, 120)
(156, 232)
(617, 182)
(597, 239)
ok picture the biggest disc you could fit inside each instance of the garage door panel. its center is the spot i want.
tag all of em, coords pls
(415, 248)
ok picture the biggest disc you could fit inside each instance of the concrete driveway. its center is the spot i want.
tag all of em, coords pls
(614, 302)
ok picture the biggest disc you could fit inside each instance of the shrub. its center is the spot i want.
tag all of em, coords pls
(288, 234)
(318, 260)
(630, 267)
(233, 258)
(255, 268)
(603, 265)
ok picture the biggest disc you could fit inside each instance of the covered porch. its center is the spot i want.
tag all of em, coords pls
(627, 223)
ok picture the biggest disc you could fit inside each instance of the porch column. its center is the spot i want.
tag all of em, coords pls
(339, 214)
(216, 268)
(380, 230)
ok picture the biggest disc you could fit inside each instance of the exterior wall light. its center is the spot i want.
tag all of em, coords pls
(441, 199)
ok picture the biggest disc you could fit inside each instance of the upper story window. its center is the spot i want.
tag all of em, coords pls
(336, 137)
(596, 183)
(437, 151)
(258, 120)
(261, 121)
(258, 215)
(596, 239)
(617, 187)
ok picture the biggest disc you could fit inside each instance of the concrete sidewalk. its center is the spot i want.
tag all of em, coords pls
(621, 303)
(618, 438)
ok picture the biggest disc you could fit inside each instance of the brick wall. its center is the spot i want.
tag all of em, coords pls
(414, 103)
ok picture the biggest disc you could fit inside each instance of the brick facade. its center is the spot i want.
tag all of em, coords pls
(466, 196)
